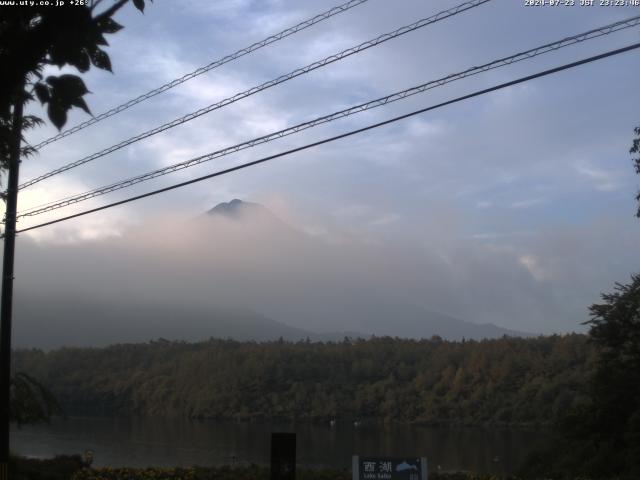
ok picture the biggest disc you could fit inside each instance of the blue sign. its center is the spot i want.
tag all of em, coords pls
(385, 468)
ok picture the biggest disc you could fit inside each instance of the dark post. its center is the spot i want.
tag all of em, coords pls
(283, 456)
(7, 285)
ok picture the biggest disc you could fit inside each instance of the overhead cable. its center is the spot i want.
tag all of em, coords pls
(271, 83)
(215, 64)
(338, 137)
(549, 47)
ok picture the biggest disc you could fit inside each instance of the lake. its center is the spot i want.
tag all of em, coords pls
(141, 442)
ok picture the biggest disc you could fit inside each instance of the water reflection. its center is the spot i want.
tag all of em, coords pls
(140, 442)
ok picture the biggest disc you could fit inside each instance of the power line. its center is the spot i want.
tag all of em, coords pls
(595, 33)
(271, 83)
(215, 64)
(343, 135)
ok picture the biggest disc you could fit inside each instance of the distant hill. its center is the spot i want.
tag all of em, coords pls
(91, 322)
(420, 322)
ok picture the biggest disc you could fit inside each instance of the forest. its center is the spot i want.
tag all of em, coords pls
(506, 381)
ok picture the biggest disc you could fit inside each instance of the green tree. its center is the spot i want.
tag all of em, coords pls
(31, 402)
(601, 436)
(32, 37)
(614, 416)
(635, 149)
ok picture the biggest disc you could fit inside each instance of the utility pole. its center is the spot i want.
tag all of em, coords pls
(6, 302)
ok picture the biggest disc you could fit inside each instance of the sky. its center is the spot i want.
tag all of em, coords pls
(515, 208)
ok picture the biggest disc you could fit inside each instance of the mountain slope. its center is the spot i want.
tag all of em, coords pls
(51, 322)
(321, 297)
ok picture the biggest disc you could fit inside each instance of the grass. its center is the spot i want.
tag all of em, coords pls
(252, 472)
(58, 468)
(71, 468)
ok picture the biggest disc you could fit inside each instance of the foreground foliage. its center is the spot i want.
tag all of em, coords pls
(506, 381)
(38, 35)
(59, 468)
(71, 468)
(30, 402)
(602, 436)
(252, 472)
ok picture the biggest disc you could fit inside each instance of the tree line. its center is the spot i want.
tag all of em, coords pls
(507, 381)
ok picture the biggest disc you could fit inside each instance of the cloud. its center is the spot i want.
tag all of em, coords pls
(532, 264)
(219, 9)
(528, 203)
(386, 219)
(603, 180)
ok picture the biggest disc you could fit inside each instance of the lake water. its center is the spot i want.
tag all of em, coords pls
(141, 442)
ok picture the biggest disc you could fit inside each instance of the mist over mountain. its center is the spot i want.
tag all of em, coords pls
(386, 314)
(237, 272)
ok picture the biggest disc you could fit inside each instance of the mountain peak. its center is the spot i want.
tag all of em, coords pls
(241, 211)
(227, 208)
(235, 208)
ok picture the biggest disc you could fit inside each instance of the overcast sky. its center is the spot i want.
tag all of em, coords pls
(522, 191)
